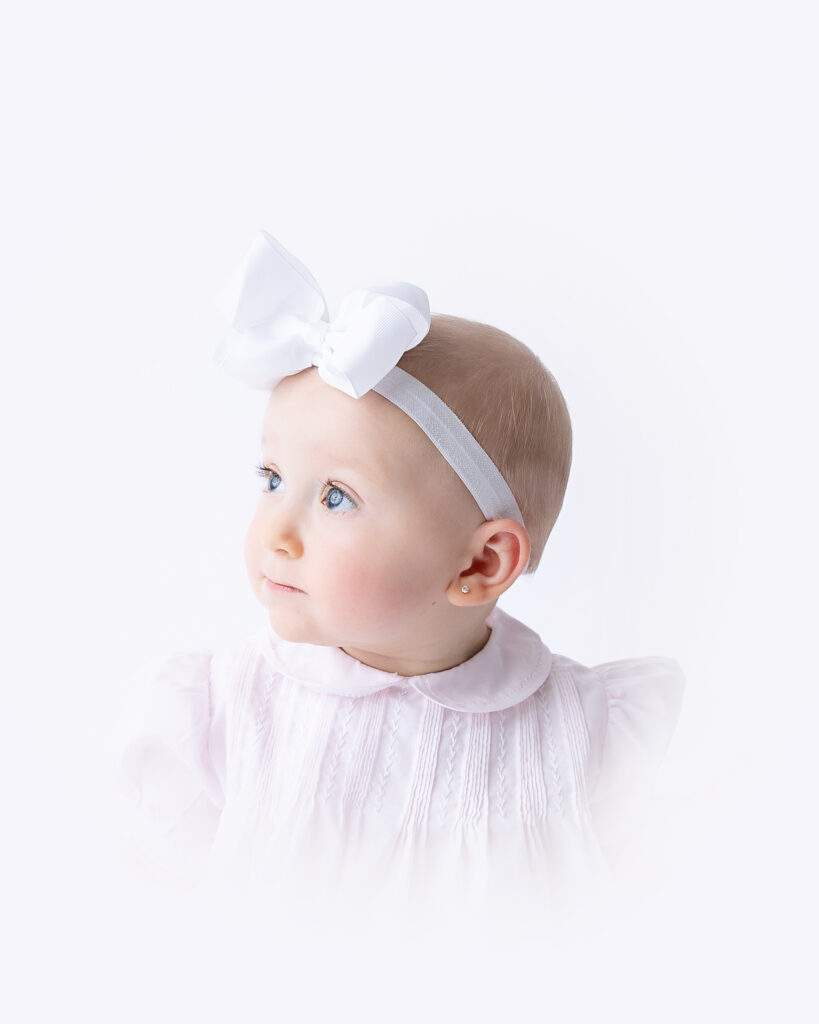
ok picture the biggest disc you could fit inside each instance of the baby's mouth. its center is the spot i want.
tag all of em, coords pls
(281, 587)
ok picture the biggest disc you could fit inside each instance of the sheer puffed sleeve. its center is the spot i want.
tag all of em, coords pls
(167, 761)
(633, 717)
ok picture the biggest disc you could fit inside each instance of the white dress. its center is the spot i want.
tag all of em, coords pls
(273, 764)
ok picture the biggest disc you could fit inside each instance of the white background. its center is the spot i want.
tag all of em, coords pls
(630, 189)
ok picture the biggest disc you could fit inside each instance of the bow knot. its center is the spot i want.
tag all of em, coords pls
(315, 337)
(280, 324)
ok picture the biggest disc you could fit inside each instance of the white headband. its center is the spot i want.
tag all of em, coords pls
(280, 326)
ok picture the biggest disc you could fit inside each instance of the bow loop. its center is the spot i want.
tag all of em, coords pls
(280, 324)
(270, 282)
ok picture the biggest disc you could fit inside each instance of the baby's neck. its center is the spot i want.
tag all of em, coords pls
(434, 656)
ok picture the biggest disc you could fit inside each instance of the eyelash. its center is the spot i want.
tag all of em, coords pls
(265, 471)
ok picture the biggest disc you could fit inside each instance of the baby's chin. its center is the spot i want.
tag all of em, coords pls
(292, 629)
(297, 629)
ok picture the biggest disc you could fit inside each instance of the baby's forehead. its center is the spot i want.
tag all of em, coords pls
(305, 412)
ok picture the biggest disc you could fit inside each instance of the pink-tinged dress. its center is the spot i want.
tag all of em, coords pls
(271, 764)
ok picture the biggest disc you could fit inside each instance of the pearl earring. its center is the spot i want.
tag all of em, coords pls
(465, 589)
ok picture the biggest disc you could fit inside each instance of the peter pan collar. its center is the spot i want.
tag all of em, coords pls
(510, 667)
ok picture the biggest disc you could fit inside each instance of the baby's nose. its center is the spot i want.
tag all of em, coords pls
(281, 533)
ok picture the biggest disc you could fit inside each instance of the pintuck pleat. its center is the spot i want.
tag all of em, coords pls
(418, 796)
(389, 746)
(362, 772)
(473, 801)
(533, 799)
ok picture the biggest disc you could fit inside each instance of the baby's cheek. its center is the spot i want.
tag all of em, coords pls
(252, 549)
(368, 589)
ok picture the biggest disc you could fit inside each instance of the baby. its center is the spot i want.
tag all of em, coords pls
(389, 721)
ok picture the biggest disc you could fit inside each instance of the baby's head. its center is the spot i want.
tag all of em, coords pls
(366, 539)
(511, 405)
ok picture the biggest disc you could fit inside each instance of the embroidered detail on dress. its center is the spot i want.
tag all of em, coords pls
(423, 771)
(315, 733)
(502, 763)
(262, 714)
(450, 762)
(361, 771)
(577, 733)
(345, 726)
(396, 717)
(532, 784)
(541, 697)
(267, 760)
(476, 768)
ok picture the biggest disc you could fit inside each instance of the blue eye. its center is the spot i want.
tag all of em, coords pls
(335, 499)
(274, 481)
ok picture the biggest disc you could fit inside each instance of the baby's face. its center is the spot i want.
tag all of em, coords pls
(359, 516)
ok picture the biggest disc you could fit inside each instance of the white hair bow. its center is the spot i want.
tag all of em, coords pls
(280, 324)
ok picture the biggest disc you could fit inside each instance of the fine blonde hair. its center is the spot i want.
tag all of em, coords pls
(511, 404)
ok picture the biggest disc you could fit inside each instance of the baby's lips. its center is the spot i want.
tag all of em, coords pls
(281, 583)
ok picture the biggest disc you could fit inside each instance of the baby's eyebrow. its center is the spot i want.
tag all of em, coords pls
(370, 471)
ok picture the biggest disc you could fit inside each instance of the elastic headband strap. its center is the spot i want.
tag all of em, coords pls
(480, 475)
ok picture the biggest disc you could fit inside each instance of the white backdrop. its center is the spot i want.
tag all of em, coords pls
(630, 189)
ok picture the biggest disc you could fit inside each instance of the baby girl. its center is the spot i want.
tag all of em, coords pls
(389, 721)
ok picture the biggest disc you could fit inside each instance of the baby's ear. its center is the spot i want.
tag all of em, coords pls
(500, 554)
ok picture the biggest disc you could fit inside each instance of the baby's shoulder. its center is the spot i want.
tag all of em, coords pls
(629, 708)
(652, 683)
(204, 678)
